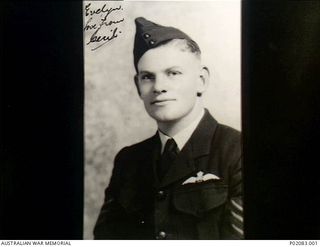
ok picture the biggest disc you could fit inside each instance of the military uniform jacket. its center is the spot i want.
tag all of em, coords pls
(138, 206)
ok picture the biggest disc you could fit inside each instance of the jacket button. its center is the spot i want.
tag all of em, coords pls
(162, 235)
(161, 195)
(146, 35)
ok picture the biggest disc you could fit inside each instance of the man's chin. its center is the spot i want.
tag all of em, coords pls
(163, 117)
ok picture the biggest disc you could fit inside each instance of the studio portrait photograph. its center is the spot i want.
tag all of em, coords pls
(163, 154)
(157, 120)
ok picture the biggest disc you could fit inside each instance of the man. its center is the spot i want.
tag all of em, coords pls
(185, 181)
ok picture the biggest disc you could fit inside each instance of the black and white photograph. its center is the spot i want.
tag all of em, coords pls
(159, 120)
(162, 120)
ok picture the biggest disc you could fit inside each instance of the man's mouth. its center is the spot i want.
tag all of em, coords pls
(161, 102)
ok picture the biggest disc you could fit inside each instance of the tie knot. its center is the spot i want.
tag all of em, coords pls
(168, 156)
(170, 147)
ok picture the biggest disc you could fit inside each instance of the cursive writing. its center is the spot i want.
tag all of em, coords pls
(105, 26)
(104, 9)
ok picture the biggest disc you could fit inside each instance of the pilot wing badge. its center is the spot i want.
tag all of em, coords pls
(201, 177)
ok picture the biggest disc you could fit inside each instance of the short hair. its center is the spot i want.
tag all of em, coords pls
(184, 45)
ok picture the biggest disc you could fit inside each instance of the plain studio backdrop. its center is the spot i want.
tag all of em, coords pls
(115, 116)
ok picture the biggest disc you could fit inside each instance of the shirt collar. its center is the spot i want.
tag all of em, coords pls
(183, 136)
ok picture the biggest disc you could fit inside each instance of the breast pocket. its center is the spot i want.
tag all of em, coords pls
(197, 199)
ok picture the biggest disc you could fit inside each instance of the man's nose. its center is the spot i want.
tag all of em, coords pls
(160, 84)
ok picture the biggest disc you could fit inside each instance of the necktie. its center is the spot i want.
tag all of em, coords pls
(169, 154)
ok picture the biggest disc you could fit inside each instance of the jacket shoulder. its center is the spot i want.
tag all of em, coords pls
(130, 160)
(227, 141)
(228, 135)
(133, 157)
(137, 150)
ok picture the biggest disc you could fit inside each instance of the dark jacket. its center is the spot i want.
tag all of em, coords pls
(138, 206)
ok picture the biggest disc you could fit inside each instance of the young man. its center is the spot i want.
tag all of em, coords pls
(185, 181)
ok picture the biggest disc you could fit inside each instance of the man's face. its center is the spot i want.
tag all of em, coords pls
(168, 80)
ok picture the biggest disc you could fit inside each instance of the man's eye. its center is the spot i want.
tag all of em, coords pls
(147, 77)
(173, 73)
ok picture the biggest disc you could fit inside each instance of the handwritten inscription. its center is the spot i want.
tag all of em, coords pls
(103, 23)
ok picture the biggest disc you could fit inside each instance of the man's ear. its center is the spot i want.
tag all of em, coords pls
(204, 78)
(136, 82)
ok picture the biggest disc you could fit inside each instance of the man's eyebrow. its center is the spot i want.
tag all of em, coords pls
(144, 72)
(173, 67)
(167, 69)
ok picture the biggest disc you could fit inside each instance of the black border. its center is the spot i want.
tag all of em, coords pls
(280, 112)
(42, 89)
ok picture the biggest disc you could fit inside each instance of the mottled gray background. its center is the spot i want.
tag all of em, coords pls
(115, 116)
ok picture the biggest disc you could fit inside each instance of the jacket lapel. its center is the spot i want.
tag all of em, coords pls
(197, 146)
(149, 161)
(138, 187)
